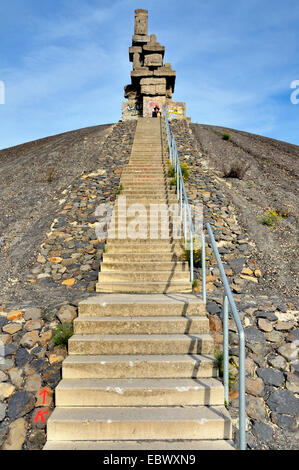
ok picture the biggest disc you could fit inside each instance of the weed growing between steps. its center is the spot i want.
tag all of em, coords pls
(185, 169)
(118, 191)
(232, 371)
(62, 334)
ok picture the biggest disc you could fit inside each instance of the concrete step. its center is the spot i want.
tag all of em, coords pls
(154, 195)
(141, 177)
(146, 366)
(129, 233)
(139, 248)
(138, 168)
(139, 156)
(93, 423)
(141, 325)
(144, 266)
(144, 166)
(144, 287)
(142, 305)
(141, 344)
(158, 174)
(144, 186)
(139, 227)
(143, 276)
(143, 180)
(139, 392)
(142, 445)
(148, 203)
(146, 243)
(138, 257)
(143, 214)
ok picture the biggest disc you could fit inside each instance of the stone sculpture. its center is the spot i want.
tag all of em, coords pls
(152, 82)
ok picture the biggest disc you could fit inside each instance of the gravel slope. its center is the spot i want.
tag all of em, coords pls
(270, 183)
(33, 177)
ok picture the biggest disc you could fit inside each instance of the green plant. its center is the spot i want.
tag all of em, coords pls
(196, 257)
(270, 218)
(62, 334)
(171, 172)
(118, 190)
(173, 182)
(219, 356)
(185, 169)
(195, 283)
(226, 136)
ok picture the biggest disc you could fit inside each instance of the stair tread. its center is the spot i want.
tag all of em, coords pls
(182, 318)
(217, 444)
(147, 282)
(178, 298)
(201, 413)
(180, 384)
(134, 336)
(100, 358)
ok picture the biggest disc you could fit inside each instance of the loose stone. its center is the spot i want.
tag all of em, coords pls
(20, 404)
(16, 436)
(271, 376)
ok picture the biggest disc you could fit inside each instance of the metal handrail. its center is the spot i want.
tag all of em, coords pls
(228, 300)
(184, 212)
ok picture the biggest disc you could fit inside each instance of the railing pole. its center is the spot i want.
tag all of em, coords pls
(181, 196)
(229, 299)
(185, 222)
(225, 350)
(203, 268)
(242, 404)
(191, 255)
(177, 178)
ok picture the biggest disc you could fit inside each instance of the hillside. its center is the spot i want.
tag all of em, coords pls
(270, 183)
(50, 258)
(34, 179)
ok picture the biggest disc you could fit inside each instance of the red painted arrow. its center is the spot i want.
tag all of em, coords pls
(40, 414)
(45, 393)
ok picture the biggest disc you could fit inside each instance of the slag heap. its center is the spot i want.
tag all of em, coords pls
(152, 82)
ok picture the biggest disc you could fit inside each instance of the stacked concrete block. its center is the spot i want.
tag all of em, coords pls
(152, 81)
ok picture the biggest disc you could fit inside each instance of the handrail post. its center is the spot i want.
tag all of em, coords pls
(181, 195)
(203, 268)
(191, 255)
(177, 179)
(185, 222)
(228, 298)
(242, 403)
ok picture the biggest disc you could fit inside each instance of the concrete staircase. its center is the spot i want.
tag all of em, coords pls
(144, 265)
(140, 372)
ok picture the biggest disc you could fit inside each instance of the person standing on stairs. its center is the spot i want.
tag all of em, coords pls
(155, 112)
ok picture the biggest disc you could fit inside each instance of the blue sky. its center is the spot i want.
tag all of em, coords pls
(64, 63)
